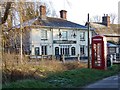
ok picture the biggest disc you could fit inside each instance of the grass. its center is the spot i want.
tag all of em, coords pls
(66, 79)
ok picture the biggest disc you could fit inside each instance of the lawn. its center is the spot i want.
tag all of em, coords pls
(65, 79)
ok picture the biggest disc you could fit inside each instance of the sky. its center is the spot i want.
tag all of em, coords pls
(77, 10)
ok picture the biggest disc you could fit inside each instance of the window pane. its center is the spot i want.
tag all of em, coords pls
(36, 50)
(73, 50)
(82, 36)
(56, 51)
(64, 34)
(61, 51)
(44, 50)
(43, 34)
(82, 50)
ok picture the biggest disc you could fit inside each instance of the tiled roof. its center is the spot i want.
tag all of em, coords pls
(103, 30)
(113, 30)
(58, 23)
(53, 23)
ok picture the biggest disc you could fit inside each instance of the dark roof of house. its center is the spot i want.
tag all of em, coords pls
(53, 23)
(58, 22)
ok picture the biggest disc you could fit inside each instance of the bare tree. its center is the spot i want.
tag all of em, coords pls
(113, 16)
(96, 18)
(26, 11)
(7, 7)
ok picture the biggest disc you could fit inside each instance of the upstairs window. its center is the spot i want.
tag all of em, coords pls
(82, 36)
(43, 34)
(64, 35)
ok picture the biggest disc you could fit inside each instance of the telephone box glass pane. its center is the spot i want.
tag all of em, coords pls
(97, 54)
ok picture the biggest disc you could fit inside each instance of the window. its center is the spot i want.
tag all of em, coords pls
(56, 50)
(111, 49)
(64, 50)
(37, 51)
(82, 36)
(43, 34)
(64, 35)
(82, 50)
(73, 51)
(44, 50)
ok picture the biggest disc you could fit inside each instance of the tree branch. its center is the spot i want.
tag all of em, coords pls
(4, 18)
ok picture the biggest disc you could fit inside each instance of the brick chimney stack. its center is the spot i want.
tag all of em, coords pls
(43, 12)
(63, 14)
(106, 20)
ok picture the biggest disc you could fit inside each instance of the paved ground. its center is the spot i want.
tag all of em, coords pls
(110, 83)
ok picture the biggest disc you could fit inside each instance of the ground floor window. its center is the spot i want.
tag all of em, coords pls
(56, 50)
(73, 51)
(82, 50)
(44, 50)
(64, 50)
(111, 50)
(37, 51)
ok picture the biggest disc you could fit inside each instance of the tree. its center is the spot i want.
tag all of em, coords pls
(113, 16)
(96, 18)
(4, 18)
(26, 11)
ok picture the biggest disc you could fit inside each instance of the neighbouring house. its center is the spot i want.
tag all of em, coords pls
(111, 31)
(53, 36)
(112, 48)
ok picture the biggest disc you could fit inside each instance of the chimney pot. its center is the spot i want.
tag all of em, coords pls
(63, 14)
(106, 20)
(43, 12)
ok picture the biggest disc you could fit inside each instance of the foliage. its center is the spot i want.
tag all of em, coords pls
(65, 79)
(33, 68)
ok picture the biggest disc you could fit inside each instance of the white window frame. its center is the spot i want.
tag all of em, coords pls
(82, 52)
(82, 36)
(64, 35)
(43, 34)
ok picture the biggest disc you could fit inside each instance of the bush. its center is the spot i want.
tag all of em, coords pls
(35, 69)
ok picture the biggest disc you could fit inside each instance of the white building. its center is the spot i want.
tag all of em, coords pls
(50, 36)
(58, 36)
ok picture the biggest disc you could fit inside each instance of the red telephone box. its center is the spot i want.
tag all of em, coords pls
(99, 52)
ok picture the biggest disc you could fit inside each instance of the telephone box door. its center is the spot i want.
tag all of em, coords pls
(98, 52)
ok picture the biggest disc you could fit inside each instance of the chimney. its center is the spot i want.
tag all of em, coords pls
(43, 12)
(63, 14)
(106, 20)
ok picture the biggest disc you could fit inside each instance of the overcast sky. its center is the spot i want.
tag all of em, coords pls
(77, 10)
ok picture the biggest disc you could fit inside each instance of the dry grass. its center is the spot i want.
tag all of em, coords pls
(13, 70)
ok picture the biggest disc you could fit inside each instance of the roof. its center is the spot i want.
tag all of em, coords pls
(111, 44)
(53, 23)
(102, 29)
(59, 23)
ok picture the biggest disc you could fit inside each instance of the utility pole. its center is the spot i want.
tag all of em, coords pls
(88, 42)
